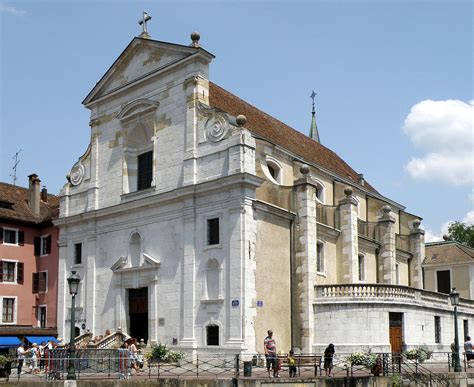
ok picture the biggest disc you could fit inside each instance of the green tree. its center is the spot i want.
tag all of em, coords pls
(462, 233)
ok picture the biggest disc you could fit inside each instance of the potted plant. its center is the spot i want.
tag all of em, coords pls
(5, 366)
(162, 354)
(417, 354)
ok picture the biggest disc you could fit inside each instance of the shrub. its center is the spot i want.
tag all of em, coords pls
(4, 359)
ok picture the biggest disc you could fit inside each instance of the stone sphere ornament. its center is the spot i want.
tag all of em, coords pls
(386, 209)
(348, 191)
(241, 120)
(195, 36)
(304, 169)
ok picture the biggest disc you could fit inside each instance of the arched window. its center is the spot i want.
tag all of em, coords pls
(212, 280)
(135, 249)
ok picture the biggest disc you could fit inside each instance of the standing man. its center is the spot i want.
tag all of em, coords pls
(468, 350)
(20, 351)
(269, 345)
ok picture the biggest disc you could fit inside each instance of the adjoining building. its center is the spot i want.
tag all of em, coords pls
(28, 263)
(195, 219)
(449, 264)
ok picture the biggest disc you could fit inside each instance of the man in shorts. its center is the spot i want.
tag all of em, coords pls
(269, 345)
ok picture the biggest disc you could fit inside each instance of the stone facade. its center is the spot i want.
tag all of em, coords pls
(206, 222)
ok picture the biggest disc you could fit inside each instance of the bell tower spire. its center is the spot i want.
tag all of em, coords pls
(313, 130)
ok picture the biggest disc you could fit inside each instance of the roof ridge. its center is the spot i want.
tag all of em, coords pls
(275, 131)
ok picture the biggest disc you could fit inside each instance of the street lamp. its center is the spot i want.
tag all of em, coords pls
(73, 282)
(454, 297)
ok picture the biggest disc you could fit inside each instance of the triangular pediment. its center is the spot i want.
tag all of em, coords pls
(141, 58)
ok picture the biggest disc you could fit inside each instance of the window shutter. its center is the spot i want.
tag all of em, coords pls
(1, 271)
(19, 272)
(35, 282)
(1, 234)
(21, 238)
(37, 246)
(48, 244)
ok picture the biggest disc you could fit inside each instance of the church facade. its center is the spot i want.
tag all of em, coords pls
(195, 219)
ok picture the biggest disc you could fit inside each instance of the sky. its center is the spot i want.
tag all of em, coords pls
(394, 82)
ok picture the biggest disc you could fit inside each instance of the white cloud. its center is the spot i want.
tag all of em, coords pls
(444, 131)
(468, 218)
(5, 8)
(430, 236)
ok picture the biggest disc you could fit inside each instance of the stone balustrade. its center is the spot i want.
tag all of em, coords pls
(364, 291)
(385, 292)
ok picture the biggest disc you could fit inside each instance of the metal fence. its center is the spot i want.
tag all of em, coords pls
(117, 364)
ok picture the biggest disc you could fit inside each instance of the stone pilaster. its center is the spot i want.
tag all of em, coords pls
(304, 268)
(417, 247)
(388, 251)
(188, 295)
(349, 237)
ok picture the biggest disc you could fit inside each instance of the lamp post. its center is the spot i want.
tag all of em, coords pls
(73, 281)
(454, 297)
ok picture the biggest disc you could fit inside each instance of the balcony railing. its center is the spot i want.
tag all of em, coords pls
(402, 242)
(368, 229)
(382, 292)
(364, 291)
(328, 215)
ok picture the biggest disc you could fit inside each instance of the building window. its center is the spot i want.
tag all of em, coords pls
(12, 236)
(40, 282)
(145, 170)
(443, 278)
(320, 257)
(77, 253)
(397, 274)
(11, 272)
(361, 267)
(42, 316)
(466, 328)
(213, 231)
(42, 245)
(319, 192)
(8, 310)
(437, 324)
(212, 334)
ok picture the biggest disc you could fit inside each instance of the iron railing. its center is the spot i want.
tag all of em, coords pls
(117, 364)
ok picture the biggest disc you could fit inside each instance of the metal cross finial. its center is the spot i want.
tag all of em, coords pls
(312, 96)
(143, 21)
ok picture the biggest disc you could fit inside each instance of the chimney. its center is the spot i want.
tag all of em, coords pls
(44, 194)
(360, 179)
(34, 193)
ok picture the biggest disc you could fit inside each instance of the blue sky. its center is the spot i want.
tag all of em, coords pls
(394, 82)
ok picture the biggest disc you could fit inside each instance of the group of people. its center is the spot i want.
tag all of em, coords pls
(37, 356)
(274, 362)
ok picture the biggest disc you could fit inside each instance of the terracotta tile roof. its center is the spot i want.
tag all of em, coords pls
(20, 211)
(447, 252)
(281, 134)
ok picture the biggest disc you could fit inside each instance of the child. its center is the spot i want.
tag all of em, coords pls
(291, 364)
